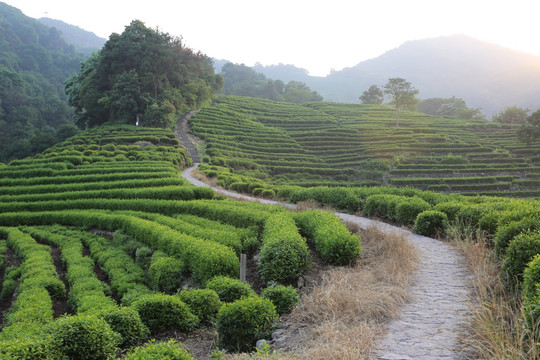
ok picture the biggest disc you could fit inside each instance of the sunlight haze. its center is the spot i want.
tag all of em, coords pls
(318, 36)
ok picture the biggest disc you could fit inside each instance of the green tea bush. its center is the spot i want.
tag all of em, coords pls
(204, 303)
(126, 322)
(241, 323)
(450, 208)
(531, 278)
(160, 312)
(530, 292)
(284, 254)
(283, 297)
(268, 193)
(332, 239)
(143, 257)
(229, 289)
(83, 337)
(507, 232)
(165, 274)
(430, 223)
(521, 250)
(169, 350)
(383, 205)
(408, 210)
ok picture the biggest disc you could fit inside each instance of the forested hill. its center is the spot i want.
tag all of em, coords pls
(34, 63)
(483, 74)
(84, 41)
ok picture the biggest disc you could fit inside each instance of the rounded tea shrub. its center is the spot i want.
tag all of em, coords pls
(127, 322)
(229, 289)
(430, 223)
(170, 350)
(165, 274)
(531, 277)
(283, 297)
(204, 303)
(521, 250)
(408, 210)
(162, 312)
(83, 337)
(241, 323)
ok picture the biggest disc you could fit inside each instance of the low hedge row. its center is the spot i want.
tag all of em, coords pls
(284, 254)
(332, 239)
(87, 186)
(87, 292)
(203, 258)
(86, 178)
(32, 308)
(155, 193)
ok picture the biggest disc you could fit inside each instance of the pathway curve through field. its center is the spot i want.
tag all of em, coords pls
(433, 321)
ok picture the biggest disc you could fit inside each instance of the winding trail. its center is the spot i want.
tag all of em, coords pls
(432, 323)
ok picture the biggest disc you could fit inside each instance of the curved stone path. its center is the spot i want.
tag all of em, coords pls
(433, 322)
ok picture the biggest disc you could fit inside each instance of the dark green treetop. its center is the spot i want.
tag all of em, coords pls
(141, 71)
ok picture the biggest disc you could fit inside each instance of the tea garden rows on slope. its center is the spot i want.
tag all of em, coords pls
(123, 182)
(269, 144)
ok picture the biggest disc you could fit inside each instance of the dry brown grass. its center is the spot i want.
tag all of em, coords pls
(200, 176)
(342, 317)
(496, 327)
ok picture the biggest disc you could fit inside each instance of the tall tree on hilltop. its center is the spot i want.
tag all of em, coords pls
(141, 71)
(512, 115)
(373, 95)
(401, 94)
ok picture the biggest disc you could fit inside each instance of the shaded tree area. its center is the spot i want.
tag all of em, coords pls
(530, 131)
(34, 63)
(401, 94)
(451, 107)
(511, 115)
(141, 72)
(373, 95)
(244, 81)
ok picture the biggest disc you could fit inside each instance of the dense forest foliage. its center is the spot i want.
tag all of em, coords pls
(243, 80)
(141, 74)
(34, 62)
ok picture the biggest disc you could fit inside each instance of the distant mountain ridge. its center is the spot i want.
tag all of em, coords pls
(485, 75)
(84, 41)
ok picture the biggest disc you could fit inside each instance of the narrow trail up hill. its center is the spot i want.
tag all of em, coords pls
(431, 325)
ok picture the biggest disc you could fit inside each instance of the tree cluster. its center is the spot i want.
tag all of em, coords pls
(451, 107)
(530, 131)
(142, 73)
(34, 62)
(243, 80)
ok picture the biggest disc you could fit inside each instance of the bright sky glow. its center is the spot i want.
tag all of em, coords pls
(316, 35)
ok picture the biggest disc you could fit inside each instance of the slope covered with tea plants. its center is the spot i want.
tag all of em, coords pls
(352, 145)
(99, 234)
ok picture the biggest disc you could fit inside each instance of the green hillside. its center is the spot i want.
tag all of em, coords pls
(103, 228)
(34, 63)
(337, 144)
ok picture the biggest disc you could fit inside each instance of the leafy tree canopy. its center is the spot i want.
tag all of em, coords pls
(401, 94)
(512, 115)
(452, 107)
(530, 131)
(373, 95)
(244, 81)
(141, 71)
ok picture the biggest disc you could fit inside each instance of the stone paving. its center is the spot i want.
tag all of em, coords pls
(431, 324)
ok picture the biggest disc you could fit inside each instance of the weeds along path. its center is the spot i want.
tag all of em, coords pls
(433, 322)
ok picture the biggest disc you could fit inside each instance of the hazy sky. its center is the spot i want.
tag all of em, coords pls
(316, 35)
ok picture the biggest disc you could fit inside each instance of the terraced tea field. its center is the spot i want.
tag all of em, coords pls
(352, 145)
(103, 229)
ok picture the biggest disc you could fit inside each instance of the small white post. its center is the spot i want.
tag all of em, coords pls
(243, 267)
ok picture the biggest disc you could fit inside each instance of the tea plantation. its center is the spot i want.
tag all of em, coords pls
(103, 246)
(336, 144)
(436, 175)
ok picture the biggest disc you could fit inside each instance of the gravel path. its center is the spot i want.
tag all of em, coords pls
(432, 323)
